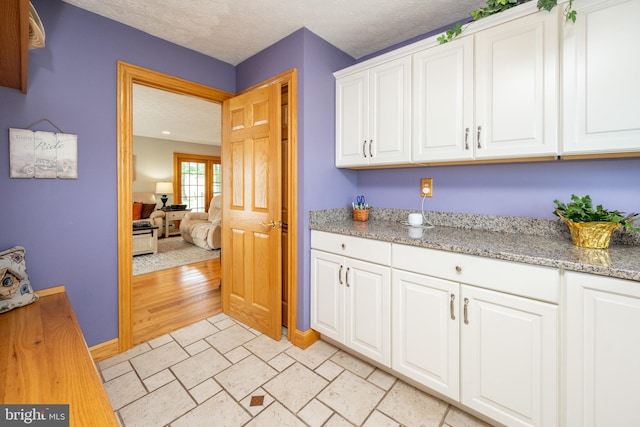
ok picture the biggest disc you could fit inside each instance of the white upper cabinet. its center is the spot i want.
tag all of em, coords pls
(601, 88)
(489, 95)
(373, 115)
(443, 102)
(516, 88)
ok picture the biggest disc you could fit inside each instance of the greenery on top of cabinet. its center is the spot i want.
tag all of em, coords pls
(497, 6)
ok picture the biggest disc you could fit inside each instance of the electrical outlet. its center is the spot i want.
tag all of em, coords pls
(426, 187)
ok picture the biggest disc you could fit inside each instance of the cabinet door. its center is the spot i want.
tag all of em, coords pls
(368, 310)
(426, 329)
(603, 351)
(601, 91)
(390, 112)
(509, 357)
(352, 120)
(327, 294)
(517, 88)
(443, 102)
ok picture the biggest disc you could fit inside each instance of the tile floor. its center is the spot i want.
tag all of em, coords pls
(218, 372)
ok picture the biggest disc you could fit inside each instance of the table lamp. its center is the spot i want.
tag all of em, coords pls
(164, 188)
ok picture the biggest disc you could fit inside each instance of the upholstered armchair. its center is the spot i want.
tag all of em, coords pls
(203, 228)
(144, 209)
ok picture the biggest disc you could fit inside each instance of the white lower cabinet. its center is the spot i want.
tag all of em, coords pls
(482, 332)
(495, 352)
(509, 357)
(603, 351)
(351, 298)
(426, 331)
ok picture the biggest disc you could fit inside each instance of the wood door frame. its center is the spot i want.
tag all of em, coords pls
(129, 74)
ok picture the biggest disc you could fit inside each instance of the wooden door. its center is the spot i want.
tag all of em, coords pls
(251, 227)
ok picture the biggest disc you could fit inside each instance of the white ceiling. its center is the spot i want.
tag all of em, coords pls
(234, 30)
(188, 119)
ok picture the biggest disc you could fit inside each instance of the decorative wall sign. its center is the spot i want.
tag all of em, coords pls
(42, 154)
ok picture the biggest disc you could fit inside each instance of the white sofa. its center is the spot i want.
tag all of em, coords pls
(203, 228)
(156, 217)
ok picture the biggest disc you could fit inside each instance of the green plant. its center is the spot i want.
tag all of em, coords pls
(581, 209)
(497, 6)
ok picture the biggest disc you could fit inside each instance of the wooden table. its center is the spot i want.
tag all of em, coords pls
(44, 359)
(173, 217)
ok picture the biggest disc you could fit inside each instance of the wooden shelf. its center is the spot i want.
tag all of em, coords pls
(14, 44)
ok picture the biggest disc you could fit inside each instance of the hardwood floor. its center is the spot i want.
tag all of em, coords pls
(171, 299)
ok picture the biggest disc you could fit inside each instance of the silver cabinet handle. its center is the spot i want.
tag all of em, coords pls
(453, 315)
(466, 139)
(340, 276)
(466, 311)
(479, 130)
(370, 143)
(458, 269)
(364, 146)
(346, 276)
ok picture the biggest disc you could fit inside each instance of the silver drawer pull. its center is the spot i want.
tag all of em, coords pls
(364, 147)
(458, 269)
(466, 311)
(370, 143)
(453, 315)
(479, 130)
(340, 276)
(466, 139)
(347, 276)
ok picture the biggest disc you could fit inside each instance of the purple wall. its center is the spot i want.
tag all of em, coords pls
(69, 227)
(515, 189)
(320, 184)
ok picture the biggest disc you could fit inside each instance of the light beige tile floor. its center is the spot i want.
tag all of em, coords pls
(219, 372)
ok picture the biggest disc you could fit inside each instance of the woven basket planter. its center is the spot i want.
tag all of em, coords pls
(361, 214)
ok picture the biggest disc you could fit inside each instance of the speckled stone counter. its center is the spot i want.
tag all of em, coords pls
(532, 241)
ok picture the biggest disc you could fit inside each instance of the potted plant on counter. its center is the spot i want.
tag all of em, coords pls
(592, 227)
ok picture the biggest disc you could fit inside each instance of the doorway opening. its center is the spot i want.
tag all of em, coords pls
(128, 75)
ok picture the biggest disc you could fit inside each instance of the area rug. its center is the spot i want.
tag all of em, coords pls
(172, 252)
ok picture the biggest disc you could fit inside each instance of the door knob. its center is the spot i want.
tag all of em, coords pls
(270, 224)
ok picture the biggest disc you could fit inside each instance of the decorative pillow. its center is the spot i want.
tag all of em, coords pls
(147, 209)
(15, 288)
(137, 210)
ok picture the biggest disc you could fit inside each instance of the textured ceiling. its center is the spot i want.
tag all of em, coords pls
(234, 30)
(188, 119)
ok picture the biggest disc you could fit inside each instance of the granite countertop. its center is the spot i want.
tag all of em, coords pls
(531, 241)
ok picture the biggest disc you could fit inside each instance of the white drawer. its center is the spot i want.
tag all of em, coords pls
(353, 247)
(530, 281)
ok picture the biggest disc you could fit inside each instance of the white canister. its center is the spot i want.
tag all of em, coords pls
(415, 219)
